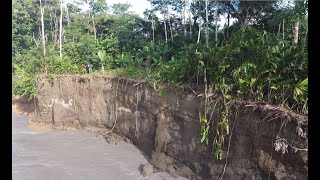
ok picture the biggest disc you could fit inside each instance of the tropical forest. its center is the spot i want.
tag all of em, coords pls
(259, 53)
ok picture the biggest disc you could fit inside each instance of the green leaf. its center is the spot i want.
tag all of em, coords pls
(203, 119)
(228, 97)
(203, 137)
(273, 87)
(241, 81)
(220, 155)
(303, 83)
(223, 125)
(297, 91)
(252, 65)
(237, 50)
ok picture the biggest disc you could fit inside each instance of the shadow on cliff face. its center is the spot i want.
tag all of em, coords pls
(167, 127)
(23, 105)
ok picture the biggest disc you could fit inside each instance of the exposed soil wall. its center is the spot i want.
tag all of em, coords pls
(166, 127)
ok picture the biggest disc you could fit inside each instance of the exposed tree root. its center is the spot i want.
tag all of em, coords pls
(278, 112)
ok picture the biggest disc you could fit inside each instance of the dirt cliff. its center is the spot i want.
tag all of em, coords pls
(165, 125)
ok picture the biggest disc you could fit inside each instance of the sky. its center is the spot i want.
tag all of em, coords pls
(138, 6)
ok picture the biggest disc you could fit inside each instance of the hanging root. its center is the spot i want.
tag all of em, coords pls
(136, 130)
(271, 111)
(115, 122)
(225, 165)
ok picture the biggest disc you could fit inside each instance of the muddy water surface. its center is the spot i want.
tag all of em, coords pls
(73, 155)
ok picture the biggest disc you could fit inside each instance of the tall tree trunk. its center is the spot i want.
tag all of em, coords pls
(164, 20)
(42, 29)
(190, 33)
(34, 39)
(283, 36)
(94, 28)
(89, 11)
(165, 27)
(51, 26)
(206, 25)
(64, 39)
(56, 31)
(60, 36)
(170, 26)
(228, 25)
(68, 16)
(190, 19)
(184, 19)
(170, 29)
(224, 32)
(296, 33)
(305, 37)
(216, 32)
(279, 30)
(283, 29)
(199, 31)
(152, 24)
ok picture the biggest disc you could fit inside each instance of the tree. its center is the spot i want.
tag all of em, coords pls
(26, 26)
(161, 6)
(184, 17)
(247, 11)
(120, 8)
(150, 16)
(102, 55)
(42, 29)
(206, 28)
(99, 12)
(60, 37)
(255, 59)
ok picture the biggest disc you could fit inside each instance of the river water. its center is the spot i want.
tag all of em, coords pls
(73, 155)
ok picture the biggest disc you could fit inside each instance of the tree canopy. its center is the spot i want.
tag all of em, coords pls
(262, 56)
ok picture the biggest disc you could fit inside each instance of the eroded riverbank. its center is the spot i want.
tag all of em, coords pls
(166, 126)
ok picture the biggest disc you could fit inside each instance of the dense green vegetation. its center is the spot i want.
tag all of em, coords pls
(260, 57)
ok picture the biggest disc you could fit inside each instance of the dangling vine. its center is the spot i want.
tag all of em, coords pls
(222, 126)
(222, 129)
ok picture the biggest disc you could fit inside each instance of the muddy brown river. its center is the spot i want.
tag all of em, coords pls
(73, 155)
